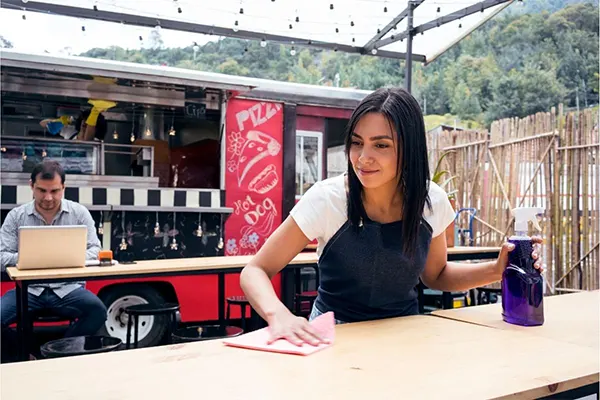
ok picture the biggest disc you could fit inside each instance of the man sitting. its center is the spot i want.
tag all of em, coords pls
(70, 300)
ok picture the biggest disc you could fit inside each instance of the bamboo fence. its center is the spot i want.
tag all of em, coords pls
(547, 160)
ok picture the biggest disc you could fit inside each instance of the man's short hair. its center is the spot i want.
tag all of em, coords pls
(47, 170)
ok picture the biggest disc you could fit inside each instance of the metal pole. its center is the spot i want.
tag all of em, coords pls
(409, 39)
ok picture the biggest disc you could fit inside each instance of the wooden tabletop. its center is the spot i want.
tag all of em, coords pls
(472, 249)
(571, 318)
(423, 357)
(149, 267)
(179, 265)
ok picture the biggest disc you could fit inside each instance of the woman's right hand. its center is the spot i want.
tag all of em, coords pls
(285, 325)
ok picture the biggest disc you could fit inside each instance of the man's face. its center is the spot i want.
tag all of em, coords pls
(47, 193)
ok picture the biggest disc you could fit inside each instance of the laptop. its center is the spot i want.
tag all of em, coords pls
(52, 246)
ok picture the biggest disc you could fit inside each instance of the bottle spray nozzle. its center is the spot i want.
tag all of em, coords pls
(523, 215)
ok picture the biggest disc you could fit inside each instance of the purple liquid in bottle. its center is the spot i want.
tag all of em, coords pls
(522, 286)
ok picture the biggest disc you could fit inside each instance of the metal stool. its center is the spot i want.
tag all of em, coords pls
(305, 296)
(205, 332)
(489, 293)
(79, 345)
(237, 301)
(134, 312)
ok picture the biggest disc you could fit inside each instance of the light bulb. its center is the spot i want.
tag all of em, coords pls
(25, 1)
(123, 244)
(171, 132)
(220, 244)
(199, 231)
(115, 134)
(374, 51)
(158, 27)
(263, 43)
(174, 244)
(132, 137)
(196, 48)
(156, 229)
(44, 154)
(293, 51)
(3, 149)
(148, 132)
(100, 229)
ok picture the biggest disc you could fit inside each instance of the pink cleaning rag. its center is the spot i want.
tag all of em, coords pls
(257, 340)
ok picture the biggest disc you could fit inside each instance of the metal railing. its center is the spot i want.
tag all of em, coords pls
(20, 153)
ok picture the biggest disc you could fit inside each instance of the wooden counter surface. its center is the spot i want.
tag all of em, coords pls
(423, 357)
(149, 267)
(572, 318)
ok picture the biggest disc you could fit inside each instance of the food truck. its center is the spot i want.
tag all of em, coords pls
(190, 164)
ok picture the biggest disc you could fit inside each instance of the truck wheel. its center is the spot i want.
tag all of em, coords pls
(151, 329)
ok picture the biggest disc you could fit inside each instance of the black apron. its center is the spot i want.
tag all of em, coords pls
(365, 274)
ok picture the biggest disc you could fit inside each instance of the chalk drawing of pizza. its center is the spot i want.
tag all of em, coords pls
(250, 171)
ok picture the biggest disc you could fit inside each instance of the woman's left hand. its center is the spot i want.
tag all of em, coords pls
(507, 247)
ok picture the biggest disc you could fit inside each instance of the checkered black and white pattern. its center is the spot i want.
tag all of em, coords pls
(119, 198)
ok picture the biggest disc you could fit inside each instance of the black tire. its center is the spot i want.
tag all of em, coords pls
(118, 293)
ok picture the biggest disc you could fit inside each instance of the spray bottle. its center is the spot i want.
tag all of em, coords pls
(522, 283)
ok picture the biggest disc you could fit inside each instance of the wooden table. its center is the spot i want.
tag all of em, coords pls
(571, 318)
(424, 357)
(182, 266)
(456, 253)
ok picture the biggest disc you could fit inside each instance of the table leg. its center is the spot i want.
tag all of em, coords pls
(221, 296)
(447, 301)
(287, 287)
(23, 327)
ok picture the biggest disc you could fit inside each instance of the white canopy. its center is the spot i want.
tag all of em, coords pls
(346, 25)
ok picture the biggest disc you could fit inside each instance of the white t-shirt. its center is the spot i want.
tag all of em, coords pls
(322, 210)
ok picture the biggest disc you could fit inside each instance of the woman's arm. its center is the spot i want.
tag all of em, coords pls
(279, 249)
(440, 274)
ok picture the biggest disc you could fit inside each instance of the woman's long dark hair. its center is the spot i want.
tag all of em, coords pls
(403, 113)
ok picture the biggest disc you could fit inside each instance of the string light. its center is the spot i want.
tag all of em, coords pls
(293, 51)
(115, 135)
(263, 43)
(235, 26)
(172, 131)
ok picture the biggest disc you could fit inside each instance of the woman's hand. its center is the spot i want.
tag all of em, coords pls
(285, 325)
(507, 247)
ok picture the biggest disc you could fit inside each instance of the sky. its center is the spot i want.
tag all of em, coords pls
(56, 34)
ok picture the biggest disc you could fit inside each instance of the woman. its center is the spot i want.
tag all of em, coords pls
(380, 227)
